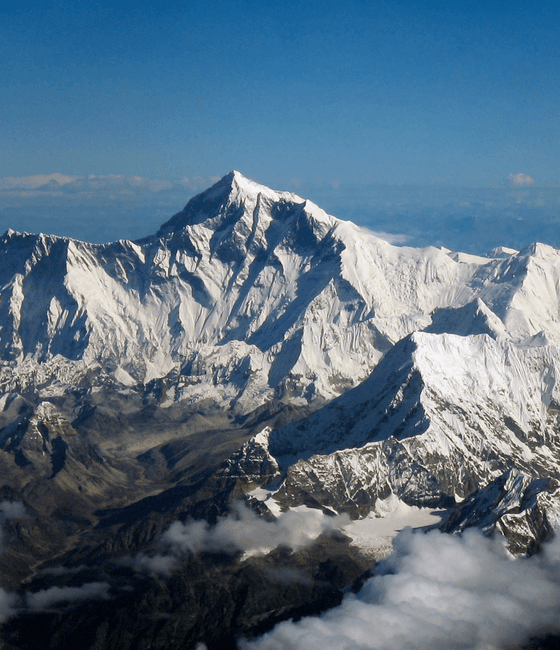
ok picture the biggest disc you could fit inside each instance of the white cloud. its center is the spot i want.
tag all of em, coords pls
(244, 530)
(7, 605)
(520, 180)
(9, 510)
(12, 509)
(441, 592)
(162, 564)
(47, 597)
(8, 600)
(240, 530)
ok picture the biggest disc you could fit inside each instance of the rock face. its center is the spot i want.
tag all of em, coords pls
(258, 350)
(439, 419)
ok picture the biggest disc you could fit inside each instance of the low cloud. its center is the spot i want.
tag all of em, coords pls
(8, 600)
(9, 510)
(520, 180)
(287, 575)
(244, 530)
(441, 592)
(8, 607)
(240, 530)
(160, 564)
(12, 509)
(48, 597)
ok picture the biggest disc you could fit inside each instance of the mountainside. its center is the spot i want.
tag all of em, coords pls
(440, 418)
(176, 412)
(252, 292)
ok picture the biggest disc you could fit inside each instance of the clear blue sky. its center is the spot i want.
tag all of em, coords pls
(426, 92)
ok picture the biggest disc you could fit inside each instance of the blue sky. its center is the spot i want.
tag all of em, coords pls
(294, 95)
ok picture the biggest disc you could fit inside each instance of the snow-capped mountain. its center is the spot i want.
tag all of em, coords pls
(441, 418)
(257, 349)
(248, 294)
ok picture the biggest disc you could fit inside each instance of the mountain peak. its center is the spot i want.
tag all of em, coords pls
(542, 251)
(237, 184)
(229, 198)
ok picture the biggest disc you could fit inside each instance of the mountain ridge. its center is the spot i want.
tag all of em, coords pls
(259, 353)
(188, 271)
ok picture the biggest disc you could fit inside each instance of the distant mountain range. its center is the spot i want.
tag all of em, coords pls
(257, 360)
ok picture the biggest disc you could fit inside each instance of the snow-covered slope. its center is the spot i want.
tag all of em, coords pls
(441, 418)
(247, 294)
(443, 366)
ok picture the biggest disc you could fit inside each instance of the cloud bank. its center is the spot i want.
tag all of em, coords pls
(8, 607)
(244, 530)
(47, 597)
(9, 510)
(95, 208)
(437, 591)
(10, 604)
(12, 509)
(240, 530)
